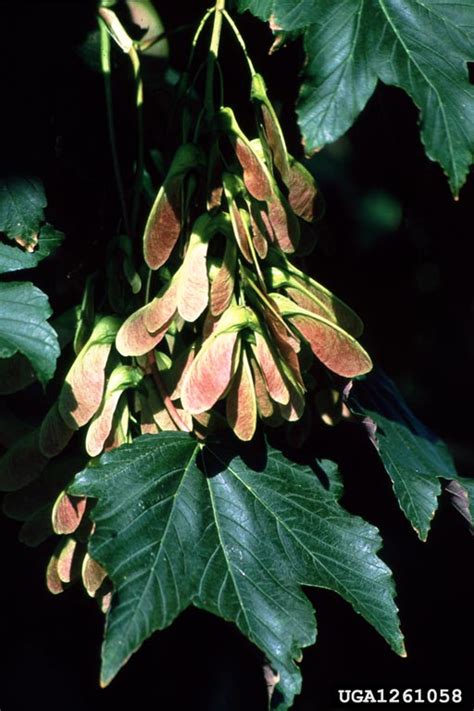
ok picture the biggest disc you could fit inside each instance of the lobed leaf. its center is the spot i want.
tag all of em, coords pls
(415, 458)
(352, 44)
(24, 311)
(22, 203)
(180, 523)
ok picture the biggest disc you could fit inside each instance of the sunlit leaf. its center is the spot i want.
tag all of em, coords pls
(352, 44)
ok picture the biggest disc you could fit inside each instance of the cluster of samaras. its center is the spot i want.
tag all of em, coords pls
(234, 321)
(236, 310)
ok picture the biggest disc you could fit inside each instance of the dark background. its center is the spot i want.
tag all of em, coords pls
(393, 244)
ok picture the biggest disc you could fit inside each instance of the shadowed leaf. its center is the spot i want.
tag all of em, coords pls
(414, 457)
(22, 463)
(16, 373)
(22, 201)
(54, 434)
(24, 311)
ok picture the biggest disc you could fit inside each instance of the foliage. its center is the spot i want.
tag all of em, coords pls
(351, 45)
(199, 352)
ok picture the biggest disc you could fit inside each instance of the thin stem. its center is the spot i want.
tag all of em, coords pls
(240, 40)
(213, 54)
(148, 286)
(172, 411)
(105, 66)
(197, 35)
(135, 60)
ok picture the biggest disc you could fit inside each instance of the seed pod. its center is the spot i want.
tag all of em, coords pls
(83, 388)
(284, 223)
(68, 555)
(314, 297)
(121, 378)
(239, 218)
(272, 129)
(265, 405)
(223, 284)
(119, 431)
(333, 346)
(274, 381)
(256, 177)
(165, 220)
(53, 581)
(93, 575)
(216, 363)
(67, 513)
(159, 313)
(302, 189)
(241, 403)
(193, 285)
(134, 339)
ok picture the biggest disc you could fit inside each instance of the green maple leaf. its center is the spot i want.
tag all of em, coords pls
(180, 523)
(415, 459)
(421, 47)
(24, 328)
(22, 203)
